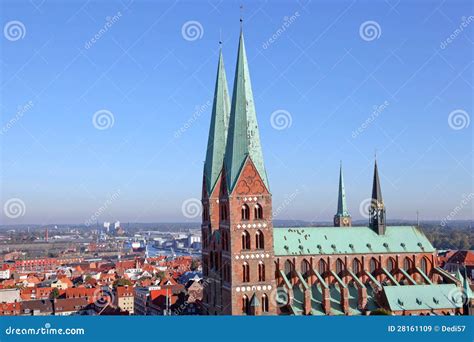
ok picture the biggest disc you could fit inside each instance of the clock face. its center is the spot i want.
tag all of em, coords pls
(336, 220)
(345, 220)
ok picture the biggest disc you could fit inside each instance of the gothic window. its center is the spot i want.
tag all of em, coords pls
(245, 273)
(258, 212)
(223, 209)
(339, 266)
(390, 265)
(261, 271)
(356, 266)
(373, 265)
(259, 240)
(216, 262)
(264, 303)
(245, 212)
(424, 265)
(305, 268)
(245, 304)
(245, 240)
(289, 269)
(406, 264)
(205, 213)
(322, 268)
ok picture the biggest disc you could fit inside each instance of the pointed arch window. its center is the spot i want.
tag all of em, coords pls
(305, 268)
(356, 267)
(406, 264)
(245, 212)
(339, 266)
(289, 269)
(390, 264)
(259, 240)
(245, 304)
(245, 241)
(261, 271)
(424, 265)
(245, 273)
(373, 265)
(258, 212)
(264, 303)
(223, 210)
(322, 267)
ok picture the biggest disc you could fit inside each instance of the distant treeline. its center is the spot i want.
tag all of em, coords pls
(450, 237)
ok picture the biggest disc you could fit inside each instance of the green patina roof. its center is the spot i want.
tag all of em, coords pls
(421, 297)
(218, 129)
(243, 137)
(354, 240)
(341, 201)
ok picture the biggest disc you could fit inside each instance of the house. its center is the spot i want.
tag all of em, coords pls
(70, 306)
(124, 298)
(10, 309)
(38, 307)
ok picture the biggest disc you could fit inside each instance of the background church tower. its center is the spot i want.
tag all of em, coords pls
(211, 239)
(377, 207)
(342, 217)
(246, 207)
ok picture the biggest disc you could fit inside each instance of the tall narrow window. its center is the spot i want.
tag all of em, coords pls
(390, 264)
(245, 273)
(289, 269)
(245, 304)
(245, 240)
(261, 271)
(305, 268)
(356, 266)
(264, 303)
(424, 265)
(245, 212)
(258, 212)
(373, 265)
(322, 268)
(259, 240)
(406, 264)
(339, 266)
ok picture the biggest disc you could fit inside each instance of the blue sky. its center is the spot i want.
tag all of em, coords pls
(321, 69)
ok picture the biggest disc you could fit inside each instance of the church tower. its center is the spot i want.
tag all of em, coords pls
(212, 178)
(377, 207)
(248, 276)
(342, 217)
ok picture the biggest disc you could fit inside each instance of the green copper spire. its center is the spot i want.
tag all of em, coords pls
(341, 201)
(218, 129)
(376, 190)
(243, 137)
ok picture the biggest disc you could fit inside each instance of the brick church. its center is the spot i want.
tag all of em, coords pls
(252, 268)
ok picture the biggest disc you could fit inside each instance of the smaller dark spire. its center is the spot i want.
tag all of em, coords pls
(376, 190)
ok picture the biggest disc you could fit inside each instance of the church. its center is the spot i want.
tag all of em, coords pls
(252, 268)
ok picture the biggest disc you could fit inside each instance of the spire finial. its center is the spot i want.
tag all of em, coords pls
(241, 16)
(375, 154)
(220, 38)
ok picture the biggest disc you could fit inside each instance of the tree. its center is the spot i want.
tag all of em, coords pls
(121, 282)
(194, 265)
(381, 312)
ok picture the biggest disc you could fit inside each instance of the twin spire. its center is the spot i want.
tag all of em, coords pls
(234, 134)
